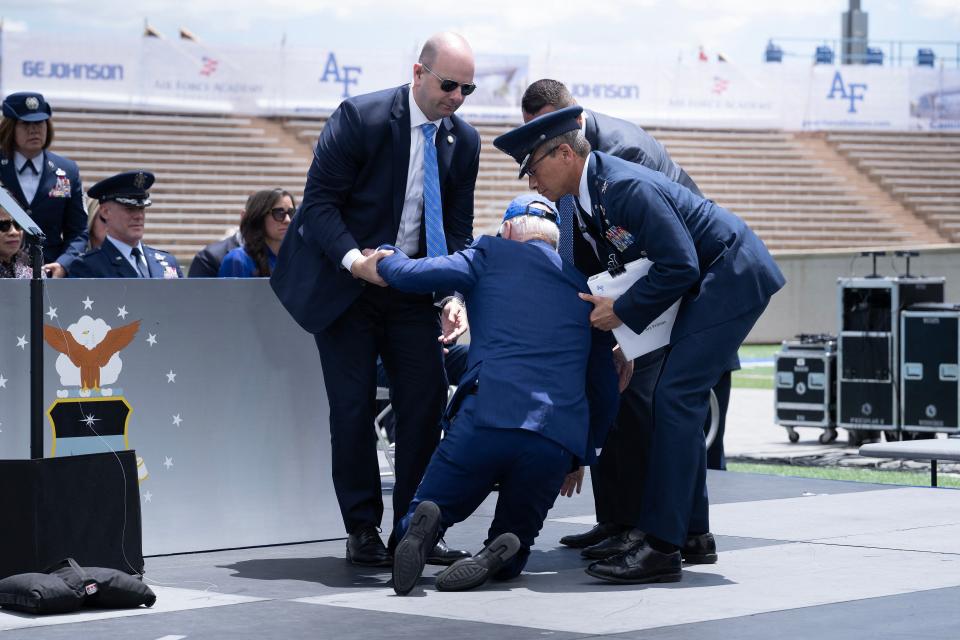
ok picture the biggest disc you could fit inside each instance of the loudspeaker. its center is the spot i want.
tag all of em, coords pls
(85, 507)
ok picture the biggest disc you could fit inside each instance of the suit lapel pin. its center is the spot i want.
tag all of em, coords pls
(3, 162)
(50, 164)
(450, 139)
(61, 172)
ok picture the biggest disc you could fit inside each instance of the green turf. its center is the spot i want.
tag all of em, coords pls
(755, 377)
(852, 474)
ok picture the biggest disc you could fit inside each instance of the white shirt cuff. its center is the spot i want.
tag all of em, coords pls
(350, 258)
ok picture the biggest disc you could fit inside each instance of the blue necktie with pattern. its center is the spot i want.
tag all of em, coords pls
(566, 209)
(432, 209)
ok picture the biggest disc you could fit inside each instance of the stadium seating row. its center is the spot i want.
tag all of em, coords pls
(792, 192)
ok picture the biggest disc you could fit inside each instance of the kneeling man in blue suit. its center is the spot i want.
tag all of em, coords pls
(521, 416)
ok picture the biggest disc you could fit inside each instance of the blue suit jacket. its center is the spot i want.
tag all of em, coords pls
(531, 359)
(60, 216)
(108, 262)
(353, 199)
(702, 253)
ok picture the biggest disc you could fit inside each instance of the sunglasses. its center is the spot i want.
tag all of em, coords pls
(280, 214)
(529, 168)
(450, 85)
(6, 224)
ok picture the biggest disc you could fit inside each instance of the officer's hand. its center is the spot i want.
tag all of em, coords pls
(573, 481)
(624, 368)
(602, 317)
(453, 321)
(54, 270)
(365, 267)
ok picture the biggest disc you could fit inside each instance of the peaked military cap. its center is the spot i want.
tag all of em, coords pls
(128, 188)
(26, 106)
(530, 204)
(523, 141)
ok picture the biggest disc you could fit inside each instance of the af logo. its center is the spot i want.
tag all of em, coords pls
(88, 416)
(852, 92)
(866, 409)
(931, 411)
(333, 72)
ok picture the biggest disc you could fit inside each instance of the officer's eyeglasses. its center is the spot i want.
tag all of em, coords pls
(450, 85)
(6, 224)
(530, 170)
(280, 213)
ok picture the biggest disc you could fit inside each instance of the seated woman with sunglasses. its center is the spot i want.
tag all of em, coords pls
(14, 262)
(263, 224)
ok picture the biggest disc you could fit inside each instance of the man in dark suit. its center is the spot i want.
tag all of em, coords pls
(206, 264)
(520, 417)
(123, 201)
(618, 477)
(391, 167)
(702, 254)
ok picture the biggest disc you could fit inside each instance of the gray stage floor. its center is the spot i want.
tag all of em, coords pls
(799, 558)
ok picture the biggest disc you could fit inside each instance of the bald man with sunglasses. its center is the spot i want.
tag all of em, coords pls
(393, 167)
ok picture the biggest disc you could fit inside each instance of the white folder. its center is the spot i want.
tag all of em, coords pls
(657, 333)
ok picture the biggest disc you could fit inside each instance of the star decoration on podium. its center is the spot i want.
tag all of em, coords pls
(89, 420)
(52, 312)
(122, 312)
(147, 496)
(168, 462)
(22, 342)
(171, 377)
(88, 303)
(152, 339)
(3, 382)
(177, 420)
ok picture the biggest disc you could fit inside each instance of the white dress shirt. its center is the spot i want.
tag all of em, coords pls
(29, 181)
(126, 251)
(585, 205)
(411, 218)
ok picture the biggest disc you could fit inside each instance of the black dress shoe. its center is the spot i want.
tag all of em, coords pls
(640, 565)
(699, 549)
(623, 541)
(411, 552)
(443, 555)
(472, 572)
(598, 533)
(365, 548)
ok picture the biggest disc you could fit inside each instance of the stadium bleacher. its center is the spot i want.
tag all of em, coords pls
(919, 169)
(797, 191)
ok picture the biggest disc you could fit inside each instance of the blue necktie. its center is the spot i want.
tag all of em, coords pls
(432, 209)
(566, 209)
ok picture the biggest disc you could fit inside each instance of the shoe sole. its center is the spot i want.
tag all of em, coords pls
(708, 558)
(469, 573)
(410, 555)
(666, 577)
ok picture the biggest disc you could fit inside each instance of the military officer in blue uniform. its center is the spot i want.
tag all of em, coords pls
(123, 201)
(521, 416)
(45, 184)
(702, 254)
(619, 475)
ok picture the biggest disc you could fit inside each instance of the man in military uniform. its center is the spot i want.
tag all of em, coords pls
(617, 478)
(703, 255)
(123, 201)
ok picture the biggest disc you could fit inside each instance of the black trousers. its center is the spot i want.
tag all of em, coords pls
(619, 474)
(402, 329)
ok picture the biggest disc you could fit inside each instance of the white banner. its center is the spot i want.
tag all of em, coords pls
(186, 75)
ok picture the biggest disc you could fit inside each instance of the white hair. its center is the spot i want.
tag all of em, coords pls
(534, 228)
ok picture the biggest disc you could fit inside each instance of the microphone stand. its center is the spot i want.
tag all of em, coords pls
(35, 240)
